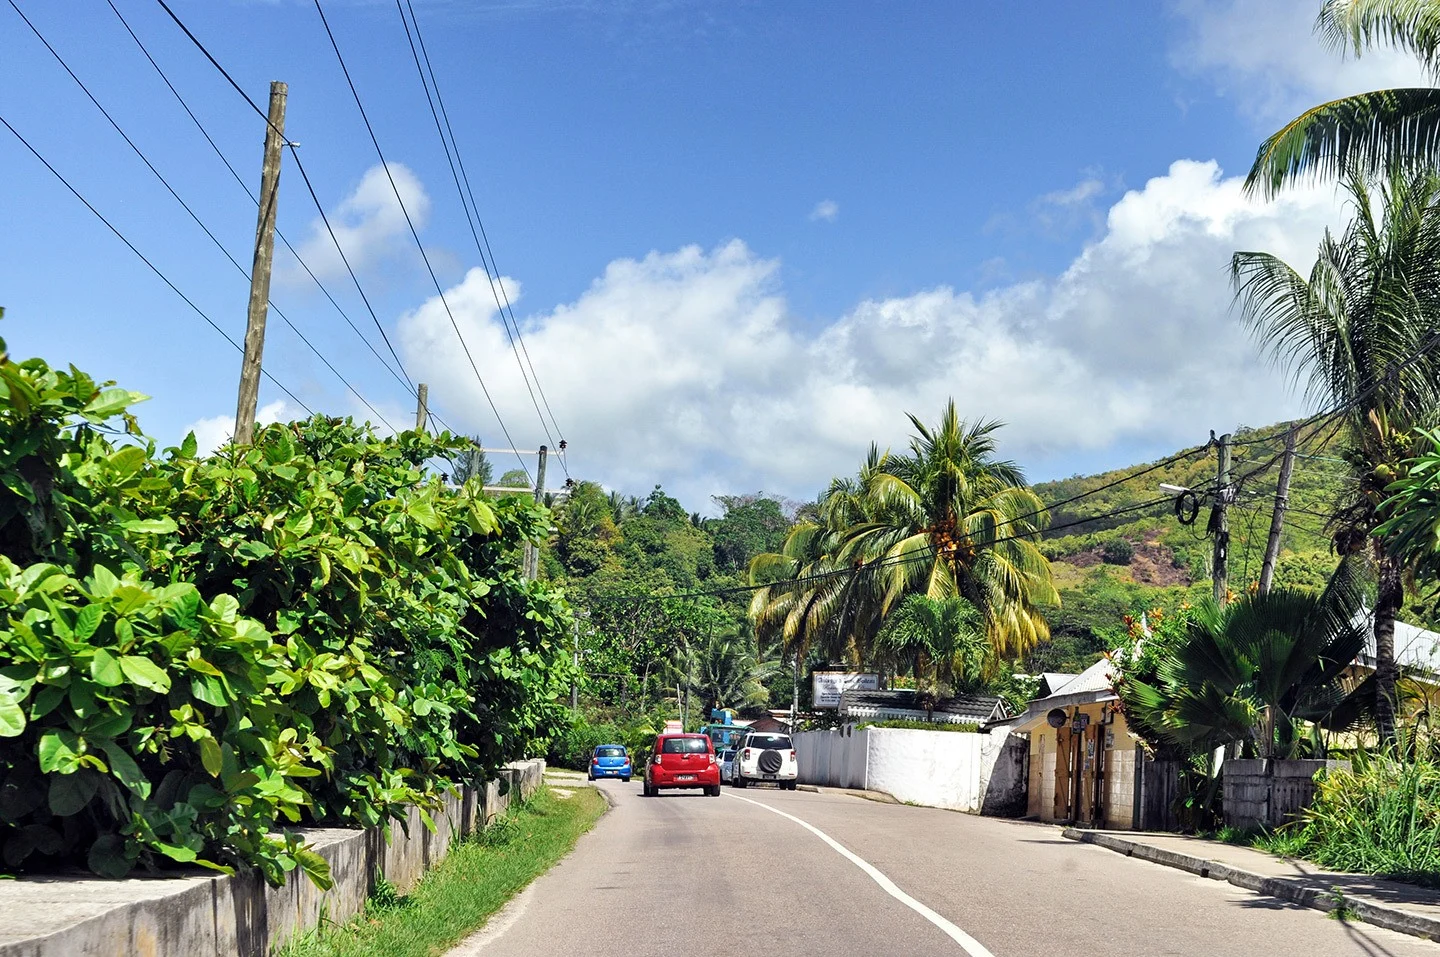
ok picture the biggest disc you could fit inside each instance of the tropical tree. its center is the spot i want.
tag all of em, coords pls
(1413, 509)
(1369, 133)
(1257, 670)
(723, 670)
(471, 462)
(943, 641)
(951, 520)
(809, 596)
(1356, 330)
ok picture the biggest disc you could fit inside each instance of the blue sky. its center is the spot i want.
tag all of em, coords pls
(743, 238)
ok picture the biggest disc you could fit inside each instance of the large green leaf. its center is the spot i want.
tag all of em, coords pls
(59, 751)
(111, 856)
(123, 766)
(69, 793)
(12, 716)
(145, 673)
(105, 669)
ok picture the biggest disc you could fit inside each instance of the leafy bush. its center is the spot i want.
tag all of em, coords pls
(1117, 551)
(1382, 817)
(914, 724)
(574, 746)
(197, 652)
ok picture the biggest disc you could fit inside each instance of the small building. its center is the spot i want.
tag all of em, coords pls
(904, 705)
(1083, 758)
(772, 722)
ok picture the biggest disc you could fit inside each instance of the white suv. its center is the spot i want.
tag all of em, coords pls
(767, 758)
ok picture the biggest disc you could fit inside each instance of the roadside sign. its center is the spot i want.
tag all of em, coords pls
(829, 685)
(674, 726)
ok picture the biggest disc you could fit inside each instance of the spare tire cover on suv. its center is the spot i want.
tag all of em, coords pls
(770, 762)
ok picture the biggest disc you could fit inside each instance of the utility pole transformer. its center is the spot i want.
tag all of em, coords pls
(260, 269)
(422, 406)
(1220, 522)
(1277, 520)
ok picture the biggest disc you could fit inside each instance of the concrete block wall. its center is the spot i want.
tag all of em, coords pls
(203, 915)
(1268, 792)
(952, 769)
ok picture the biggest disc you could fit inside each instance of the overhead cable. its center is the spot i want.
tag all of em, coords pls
(414, 233)
(153, 268)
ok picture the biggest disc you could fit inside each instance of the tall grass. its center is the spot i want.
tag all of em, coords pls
(1381, 817)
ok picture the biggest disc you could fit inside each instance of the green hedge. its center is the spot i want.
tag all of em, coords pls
(199, 652)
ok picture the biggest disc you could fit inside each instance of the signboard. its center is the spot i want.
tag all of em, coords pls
(829, 685)
(674, 726)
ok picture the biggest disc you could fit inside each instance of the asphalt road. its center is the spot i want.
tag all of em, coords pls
(685, 873)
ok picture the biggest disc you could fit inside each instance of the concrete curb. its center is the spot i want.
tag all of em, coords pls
(1287, 889)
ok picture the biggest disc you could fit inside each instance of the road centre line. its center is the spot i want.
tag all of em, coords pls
(971, 946)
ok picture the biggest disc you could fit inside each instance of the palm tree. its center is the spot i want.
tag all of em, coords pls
(1372, 132)
(809, 596)
(1254, 670)
(724, 671)
(471, 462)
(1357, 330)
(950, 520)
(942, 640)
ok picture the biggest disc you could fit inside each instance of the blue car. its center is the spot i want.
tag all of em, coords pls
(610, 761)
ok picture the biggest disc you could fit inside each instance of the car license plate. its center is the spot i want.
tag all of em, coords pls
(769, 777)
(684, 777)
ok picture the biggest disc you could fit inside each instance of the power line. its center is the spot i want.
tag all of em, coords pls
(153, 268)
(171, 190)
(309, 186)
(414, 233)
(253, 198)
(492, 269)
(925, 555)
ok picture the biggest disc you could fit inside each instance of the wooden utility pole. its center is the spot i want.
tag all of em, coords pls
(422, 406)
(1220, 522)
(1277, 520)
(260, 269)
(532, 554)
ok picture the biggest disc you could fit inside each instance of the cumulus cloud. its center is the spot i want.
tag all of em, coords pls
(827, 210)
(1267, 57)
(687, 367)
(369, 224)
(215, 431)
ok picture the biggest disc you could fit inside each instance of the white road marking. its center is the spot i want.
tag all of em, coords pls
(972, 946)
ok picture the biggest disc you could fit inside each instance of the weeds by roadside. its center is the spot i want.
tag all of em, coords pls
(474, 881)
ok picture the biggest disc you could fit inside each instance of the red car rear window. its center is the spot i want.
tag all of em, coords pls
(685, 745)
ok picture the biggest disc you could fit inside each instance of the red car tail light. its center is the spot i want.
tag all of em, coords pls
(745, 755)
(792, 756)
(594, 760)
(712, 759)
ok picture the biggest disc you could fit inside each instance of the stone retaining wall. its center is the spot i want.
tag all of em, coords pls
(206, 915)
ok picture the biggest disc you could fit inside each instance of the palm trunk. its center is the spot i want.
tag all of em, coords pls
(1388, 601)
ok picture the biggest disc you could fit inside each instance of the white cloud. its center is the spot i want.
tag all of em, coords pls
(686, 367)
(215, 431)
(369, 224)
(1268, 58)
(827, 210)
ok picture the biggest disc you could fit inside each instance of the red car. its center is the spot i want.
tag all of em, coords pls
(682, 761)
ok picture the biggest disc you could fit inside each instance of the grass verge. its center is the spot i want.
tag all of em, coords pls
(473, 882)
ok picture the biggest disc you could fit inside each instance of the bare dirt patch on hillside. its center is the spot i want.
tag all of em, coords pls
(1152, 564)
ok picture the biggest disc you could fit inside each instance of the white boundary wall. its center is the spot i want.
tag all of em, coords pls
(960, 770)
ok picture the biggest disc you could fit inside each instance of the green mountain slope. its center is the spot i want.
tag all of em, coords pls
(1109, 566)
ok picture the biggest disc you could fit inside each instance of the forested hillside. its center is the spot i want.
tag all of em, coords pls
(619, 557)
